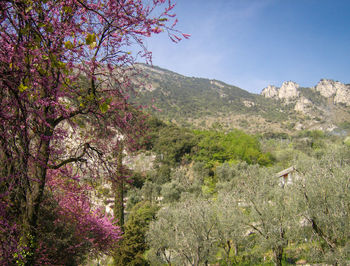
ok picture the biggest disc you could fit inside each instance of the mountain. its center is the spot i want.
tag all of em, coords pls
(326, 105)
(335, 90)
(204, 103)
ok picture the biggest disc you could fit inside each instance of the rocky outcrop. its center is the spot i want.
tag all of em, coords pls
(288, 90)
(339, 92)
(270, 92)
(330, 88)
(303, 105)
(217, 83)
(343, 96)
(248, 103)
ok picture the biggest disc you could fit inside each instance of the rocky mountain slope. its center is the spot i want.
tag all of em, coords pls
(338, 92)
(204, 103)
(327, 102)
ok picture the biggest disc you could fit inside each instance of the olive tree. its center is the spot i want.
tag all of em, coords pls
(324, 198)
(232, 236)
(184, 233)
(267, 209)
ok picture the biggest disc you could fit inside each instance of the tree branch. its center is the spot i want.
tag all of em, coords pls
(72, 159)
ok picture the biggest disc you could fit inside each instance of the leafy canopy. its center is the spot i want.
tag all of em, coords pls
(65, 69)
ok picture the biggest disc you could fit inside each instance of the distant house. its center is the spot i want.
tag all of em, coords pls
(287, 176)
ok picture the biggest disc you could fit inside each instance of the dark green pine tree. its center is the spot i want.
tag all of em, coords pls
(133, 245)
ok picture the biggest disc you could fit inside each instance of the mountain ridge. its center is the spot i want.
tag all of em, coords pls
(339, 92)
(205, 103)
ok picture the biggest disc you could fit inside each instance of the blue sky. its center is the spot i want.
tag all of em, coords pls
(255, 43)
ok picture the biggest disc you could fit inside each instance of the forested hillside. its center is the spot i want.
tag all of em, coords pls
(220, 199)
(203, 103)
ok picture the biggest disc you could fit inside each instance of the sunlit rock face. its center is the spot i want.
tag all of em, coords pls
(302, 105)
(330, 88)
(270, 92)
(289, 90)
(343, 96)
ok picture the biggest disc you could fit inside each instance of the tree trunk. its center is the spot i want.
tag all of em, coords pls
(236, 249)
(118, 189)
(278, 255)
(33, 199)
(227, 251)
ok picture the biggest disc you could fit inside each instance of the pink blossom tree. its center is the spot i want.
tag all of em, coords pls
(93, 229)
(65, 64)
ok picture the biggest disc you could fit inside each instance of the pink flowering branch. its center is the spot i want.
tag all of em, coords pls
(66, 65)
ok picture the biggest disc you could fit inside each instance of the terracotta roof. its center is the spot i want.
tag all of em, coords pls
(286, 171)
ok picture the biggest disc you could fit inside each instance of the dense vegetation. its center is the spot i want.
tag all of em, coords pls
(217, 204)
(174, 145)
(177, 98)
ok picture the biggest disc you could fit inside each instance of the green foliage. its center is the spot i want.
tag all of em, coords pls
(314, 134)
(209, 186)
(229, 147)
(153, 125)
(325, 202)
(200, 171)
(137, 180)
(150, 191)
(25, 250)
(269, 209)
(233, 242)
(60, 236)
(230, 172)
(161, 174)
(177, 96)
(133, 245)
(345, 125)
(134, 196)
(275, 135)
(190, 180)
(171, 192)
(347, 141)
(313, 94)
(173, 143)
(183, 233)
(257, 220)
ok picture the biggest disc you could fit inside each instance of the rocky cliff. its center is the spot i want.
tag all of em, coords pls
(270, 91)
(325, 105)
(289, 91)
(339, 91)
